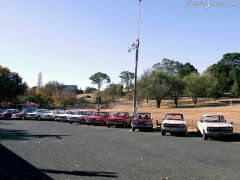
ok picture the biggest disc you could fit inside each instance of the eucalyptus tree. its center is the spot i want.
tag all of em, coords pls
(99, 79)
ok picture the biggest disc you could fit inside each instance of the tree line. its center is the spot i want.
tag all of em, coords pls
(172, 79)
(166, 79)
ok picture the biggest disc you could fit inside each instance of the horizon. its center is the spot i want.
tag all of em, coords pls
(70, 41)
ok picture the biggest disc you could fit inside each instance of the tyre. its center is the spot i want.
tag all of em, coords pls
(205, 136)
(184, 134)
(38, 118)
(108, 125)
(133, 128)
(163, 133)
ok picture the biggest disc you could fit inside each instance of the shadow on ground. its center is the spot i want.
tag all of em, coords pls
(82, 173)
(10, 134)
(14, 167)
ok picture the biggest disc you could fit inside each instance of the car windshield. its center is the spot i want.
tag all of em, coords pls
(174, 117)
(213, 119)
(10, 110)
(2, 110)
(119, 114)
(27, 110)
(42, 110)
(87, 113)
(144, 115)
(101, 114)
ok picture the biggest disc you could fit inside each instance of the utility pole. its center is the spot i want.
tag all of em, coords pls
(135, 46)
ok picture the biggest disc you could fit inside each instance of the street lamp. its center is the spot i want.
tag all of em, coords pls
(135, 46)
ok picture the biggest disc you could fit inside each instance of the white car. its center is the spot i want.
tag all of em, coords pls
(62, 116)
(77, 117)
(38, 114)
(174, 124)
(214, 125)
(50, 115)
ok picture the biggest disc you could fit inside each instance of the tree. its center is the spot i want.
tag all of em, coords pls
(225, 71)
(144, 90)
(178, 86)
(175, 68)
(112, 92)
(167, 65)
(98, 79)
(196, 86)
(158, 85)
(90, 89)
(49, 90)
(127, 78)
(64, 98)
(11, 85)
(186, 69)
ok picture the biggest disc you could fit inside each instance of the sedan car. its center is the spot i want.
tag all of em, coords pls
(142, 121)
(214, 125)
(22, 115)
(174, 124)
(7, 114)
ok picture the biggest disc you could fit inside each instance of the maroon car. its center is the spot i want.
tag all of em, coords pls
(142, 121)
(119, 119)
(7, 114)
(98, 118)
(22, 114)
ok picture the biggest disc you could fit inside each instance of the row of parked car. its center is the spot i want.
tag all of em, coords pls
(209, 125)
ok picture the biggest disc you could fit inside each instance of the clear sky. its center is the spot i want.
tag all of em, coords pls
(69, 40)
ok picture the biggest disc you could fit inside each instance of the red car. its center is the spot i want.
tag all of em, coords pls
(7, 114)
(119, 119)
(142, 121)
(98, 118)
(22, 114)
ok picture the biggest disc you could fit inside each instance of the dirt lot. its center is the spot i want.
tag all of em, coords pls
(229, 108)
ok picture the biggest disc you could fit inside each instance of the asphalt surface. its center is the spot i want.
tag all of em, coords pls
(54, 150)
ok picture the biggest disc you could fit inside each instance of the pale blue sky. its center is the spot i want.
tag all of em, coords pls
(69, 40)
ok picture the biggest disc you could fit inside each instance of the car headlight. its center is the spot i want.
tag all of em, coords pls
(182, 125)
(209, 128)
(229, 128)
(149, 123)
(165, 125)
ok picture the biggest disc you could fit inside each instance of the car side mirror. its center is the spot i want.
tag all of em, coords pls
(201, 121)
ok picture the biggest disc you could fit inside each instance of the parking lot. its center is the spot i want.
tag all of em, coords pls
(71, 151)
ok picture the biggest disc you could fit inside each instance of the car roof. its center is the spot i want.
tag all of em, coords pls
(173, 114)
(206, 115)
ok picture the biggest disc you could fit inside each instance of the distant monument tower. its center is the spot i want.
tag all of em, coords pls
(39, 83)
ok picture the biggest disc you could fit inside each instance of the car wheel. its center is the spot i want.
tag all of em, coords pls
(133, 128)
(205, 136)
(163, 133)
(23, 118)
(108, 125)
(184, 134)
(38, 118)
